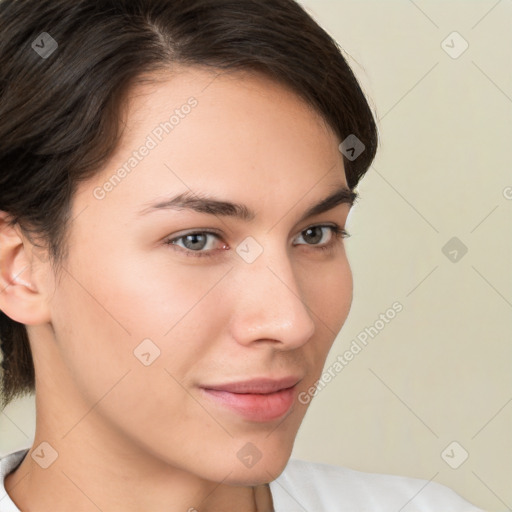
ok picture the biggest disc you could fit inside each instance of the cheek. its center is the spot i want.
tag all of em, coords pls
(103, 311)
(155, 312)
(107, 329)
(329, 295)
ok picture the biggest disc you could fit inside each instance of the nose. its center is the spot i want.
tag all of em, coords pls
(269, 304)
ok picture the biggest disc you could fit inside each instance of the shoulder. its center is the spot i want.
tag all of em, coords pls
(9, 463)
(326, 488)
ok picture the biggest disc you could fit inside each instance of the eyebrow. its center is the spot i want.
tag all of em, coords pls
(202, 203)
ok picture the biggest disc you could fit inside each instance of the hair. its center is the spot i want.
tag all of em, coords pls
(60, 115)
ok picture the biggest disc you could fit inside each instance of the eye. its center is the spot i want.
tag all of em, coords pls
(313, 234)
(196, 243)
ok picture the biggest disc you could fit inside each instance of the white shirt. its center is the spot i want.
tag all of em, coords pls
(314, 487)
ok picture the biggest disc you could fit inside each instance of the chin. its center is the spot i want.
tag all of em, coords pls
(261, 473)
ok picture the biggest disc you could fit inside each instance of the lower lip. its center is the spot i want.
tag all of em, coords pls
(253, 406)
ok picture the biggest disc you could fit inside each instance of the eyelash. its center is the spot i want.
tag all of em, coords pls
(338, 232)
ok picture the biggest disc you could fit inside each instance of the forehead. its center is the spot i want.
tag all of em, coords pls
(239, 134)
(248, 98)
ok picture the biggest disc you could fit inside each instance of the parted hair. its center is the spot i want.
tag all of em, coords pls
(60, 113)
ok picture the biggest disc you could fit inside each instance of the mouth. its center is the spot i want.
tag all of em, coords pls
(258, 400)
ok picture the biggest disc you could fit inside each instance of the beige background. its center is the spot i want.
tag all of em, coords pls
(440, 371)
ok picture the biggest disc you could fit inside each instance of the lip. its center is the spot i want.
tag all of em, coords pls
(262, 385)
(259, 400)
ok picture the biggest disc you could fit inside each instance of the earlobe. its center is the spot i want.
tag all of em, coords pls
(20, 298)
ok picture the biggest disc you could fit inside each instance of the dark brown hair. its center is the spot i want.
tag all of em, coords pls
(60, 112)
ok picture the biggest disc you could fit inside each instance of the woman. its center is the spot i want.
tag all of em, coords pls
(176, 177)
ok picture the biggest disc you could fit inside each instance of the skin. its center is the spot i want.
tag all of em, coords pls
(148, 430)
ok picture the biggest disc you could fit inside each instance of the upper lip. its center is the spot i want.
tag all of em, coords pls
(260, 385)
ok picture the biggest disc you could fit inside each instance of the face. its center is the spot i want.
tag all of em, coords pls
(172, 328)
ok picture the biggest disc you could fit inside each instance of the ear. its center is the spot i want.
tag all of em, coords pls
(20, 296)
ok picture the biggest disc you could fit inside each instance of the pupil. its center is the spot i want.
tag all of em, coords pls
(194, 241)
(317, 238)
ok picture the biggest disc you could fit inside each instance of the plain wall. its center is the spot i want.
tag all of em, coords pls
(440, 370)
